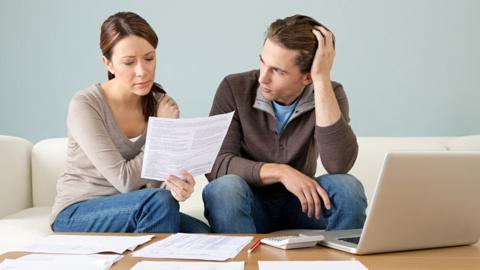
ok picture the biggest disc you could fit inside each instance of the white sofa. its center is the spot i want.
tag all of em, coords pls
(29, 173)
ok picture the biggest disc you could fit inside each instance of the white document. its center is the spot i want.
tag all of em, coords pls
(149, 265)
(60, 262)
(85, 244)
(311, 265)
(195, 246)
(189, 144)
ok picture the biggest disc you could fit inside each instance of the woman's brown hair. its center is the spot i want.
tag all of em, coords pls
(119, 26)
(295, 33)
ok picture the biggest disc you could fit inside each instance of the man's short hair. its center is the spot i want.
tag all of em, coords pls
(295, 33)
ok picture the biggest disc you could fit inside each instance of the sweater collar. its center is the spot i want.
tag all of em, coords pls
(306, 102)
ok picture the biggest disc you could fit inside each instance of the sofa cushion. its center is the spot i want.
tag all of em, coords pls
(16, 187)
(24, 227)
(194, 205)
(48, 163)
(467, 143)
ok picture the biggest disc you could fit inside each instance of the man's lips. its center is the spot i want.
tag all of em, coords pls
(266, 90)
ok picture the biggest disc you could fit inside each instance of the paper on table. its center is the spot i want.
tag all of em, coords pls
(190, 144)
(85, 244)
(148, 265)
(60, 262)
(311, 265)
(195, 246)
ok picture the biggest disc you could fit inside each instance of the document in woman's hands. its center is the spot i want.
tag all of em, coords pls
(189, 144)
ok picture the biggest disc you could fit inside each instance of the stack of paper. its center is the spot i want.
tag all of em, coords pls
(311, 265)
(60, 262)
(196, 246)
(146, 265)
(85, 244)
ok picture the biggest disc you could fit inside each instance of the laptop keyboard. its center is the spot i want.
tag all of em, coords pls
(353, 240)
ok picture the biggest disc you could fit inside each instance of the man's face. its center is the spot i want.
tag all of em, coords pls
(280, 77)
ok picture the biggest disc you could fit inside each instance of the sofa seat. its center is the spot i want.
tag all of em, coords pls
(23, 227)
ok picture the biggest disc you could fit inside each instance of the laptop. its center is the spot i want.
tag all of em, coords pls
(422, 200)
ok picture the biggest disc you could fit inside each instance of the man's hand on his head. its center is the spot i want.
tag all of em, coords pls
(324, 56)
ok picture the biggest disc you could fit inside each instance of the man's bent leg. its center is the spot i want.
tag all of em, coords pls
(232, 207)
(348, 201)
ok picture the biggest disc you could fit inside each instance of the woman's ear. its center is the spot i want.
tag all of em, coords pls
(108, 64)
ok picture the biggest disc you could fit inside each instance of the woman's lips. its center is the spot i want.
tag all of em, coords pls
(142, 84)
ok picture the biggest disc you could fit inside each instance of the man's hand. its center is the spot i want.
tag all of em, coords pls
(306, 189)
(181, 189)
(167, 108)
(327, 111)
(323, 59)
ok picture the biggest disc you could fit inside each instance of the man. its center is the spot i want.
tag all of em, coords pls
(286, 114)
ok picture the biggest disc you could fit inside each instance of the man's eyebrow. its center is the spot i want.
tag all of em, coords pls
(274, 67)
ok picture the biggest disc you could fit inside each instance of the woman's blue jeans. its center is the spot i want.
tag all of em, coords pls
(143, 211)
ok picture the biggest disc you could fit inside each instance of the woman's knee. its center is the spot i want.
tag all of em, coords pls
(163, 199)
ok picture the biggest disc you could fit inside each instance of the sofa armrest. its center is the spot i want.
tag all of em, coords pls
(15, 174)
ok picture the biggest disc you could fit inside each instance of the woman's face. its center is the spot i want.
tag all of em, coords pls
(133, 63)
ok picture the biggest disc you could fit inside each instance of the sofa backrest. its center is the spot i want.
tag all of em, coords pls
(48, 160)
(15, 175)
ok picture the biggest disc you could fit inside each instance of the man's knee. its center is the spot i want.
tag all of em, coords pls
(226, 197)
(344, 189)
(226, 189)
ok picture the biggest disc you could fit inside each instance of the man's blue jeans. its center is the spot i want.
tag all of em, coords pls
(231, 206)
(143, 211)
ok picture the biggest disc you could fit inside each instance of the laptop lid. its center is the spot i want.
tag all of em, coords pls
(422, 200)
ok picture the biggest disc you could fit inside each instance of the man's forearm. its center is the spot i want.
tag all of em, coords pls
(327, 110)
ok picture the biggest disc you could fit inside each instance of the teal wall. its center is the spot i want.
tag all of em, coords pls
(410, 68)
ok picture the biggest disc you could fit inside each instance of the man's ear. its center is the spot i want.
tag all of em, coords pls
(108, 64)
(307, 79)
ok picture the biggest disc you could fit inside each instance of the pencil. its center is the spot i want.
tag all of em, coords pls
(254, 246)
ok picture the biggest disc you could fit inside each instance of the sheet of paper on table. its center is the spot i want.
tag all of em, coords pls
(60, 262)
(195, 246)
(85, 244)
(149, 265)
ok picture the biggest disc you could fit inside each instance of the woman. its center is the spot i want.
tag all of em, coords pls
(101, 189)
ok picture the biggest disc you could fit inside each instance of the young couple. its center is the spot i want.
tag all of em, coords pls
(286, 114)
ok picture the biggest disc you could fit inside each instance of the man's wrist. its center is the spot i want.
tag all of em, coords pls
(271, 173)
(321, 80)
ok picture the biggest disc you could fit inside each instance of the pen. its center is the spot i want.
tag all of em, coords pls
(254, 246)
